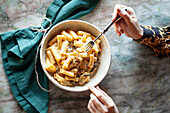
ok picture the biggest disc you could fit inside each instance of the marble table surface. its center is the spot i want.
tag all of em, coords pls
(138, 81)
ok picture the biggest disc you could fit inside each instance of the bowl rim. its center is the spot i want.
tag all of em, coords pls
(51, 79)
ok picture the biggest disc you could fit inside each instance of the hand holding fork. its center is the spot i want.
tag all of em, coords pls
(90, 44)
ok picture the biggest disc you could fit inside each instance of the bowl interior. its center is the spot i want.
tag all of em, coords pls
(105, 55)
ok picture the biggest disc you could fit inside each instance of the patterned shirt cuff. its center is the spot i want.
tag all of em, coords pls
(156, 38)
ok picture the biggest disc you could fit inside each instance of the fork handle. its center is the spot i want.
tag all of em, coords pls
(110, 24)
(107, 27)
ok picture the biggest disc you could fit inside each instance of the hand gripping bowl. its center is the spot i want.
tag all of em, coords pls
(105, 55)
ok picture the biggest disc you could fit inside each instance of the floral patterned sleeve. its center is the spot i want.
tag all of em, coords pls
(156, 38)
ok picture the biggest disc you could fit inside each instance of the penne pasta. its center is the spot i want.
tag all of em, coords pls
(98, 41)
(59, 40)
(50, 57)
(91, 62)
(51, 68)
(81, 33)
(47, 61)
(53, 41)
(67, 62)
(78, 43)
(83, 39)
(64, 46)
(95, 49)
(74, 70)
(72, 78)
(67, 35)
(80, 50)
(73, 34)
(62, 80)
(56, 53)
(68, 73)
(88, 39)
(84, 55)
(66, 59)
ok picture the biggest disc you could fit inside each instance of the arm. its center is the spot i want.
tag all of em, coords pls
(156, 38)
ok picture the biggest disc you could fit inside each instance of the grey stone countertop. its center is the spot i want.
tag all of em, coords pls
(138, 81)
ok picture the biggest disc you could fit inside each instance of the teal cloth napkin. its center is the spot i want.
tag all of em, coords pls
(18, 54)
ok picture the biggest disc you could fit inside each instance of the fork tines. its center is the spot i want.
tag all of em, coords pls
(89, 46)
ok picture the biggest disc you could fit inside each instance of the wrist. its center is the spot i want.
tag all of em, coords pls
(140, 34)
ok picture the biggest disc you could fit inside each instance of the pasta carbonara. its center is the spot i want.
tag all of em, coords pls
(66, 59)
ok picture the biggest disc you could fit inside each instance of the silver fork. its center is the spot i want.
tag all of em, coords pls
(91, 43)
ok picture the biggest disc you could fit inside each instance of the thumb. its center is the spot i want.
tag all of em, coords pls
(124, 14)
(114, 15)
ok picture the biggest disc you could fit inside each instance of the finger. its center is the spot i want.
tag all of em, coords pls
(93, 106)
(109, 101)
(121, 23)
(131, 12)
(99, 95)
(125, 31)
(111, 105)
(98, 104)
(124, 28)
(114, 14)
(102, 92)
(116, 28)
(90, 109)
(124, 14)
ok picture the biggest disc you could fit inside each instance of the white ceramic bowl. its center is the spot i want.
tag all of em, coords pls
(105, 56)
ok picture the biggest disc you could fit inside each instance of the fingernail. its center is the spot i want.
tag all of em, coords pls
(92, 96)
(119, 10)
(90, 87)
(98, 87)
(119, 34)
